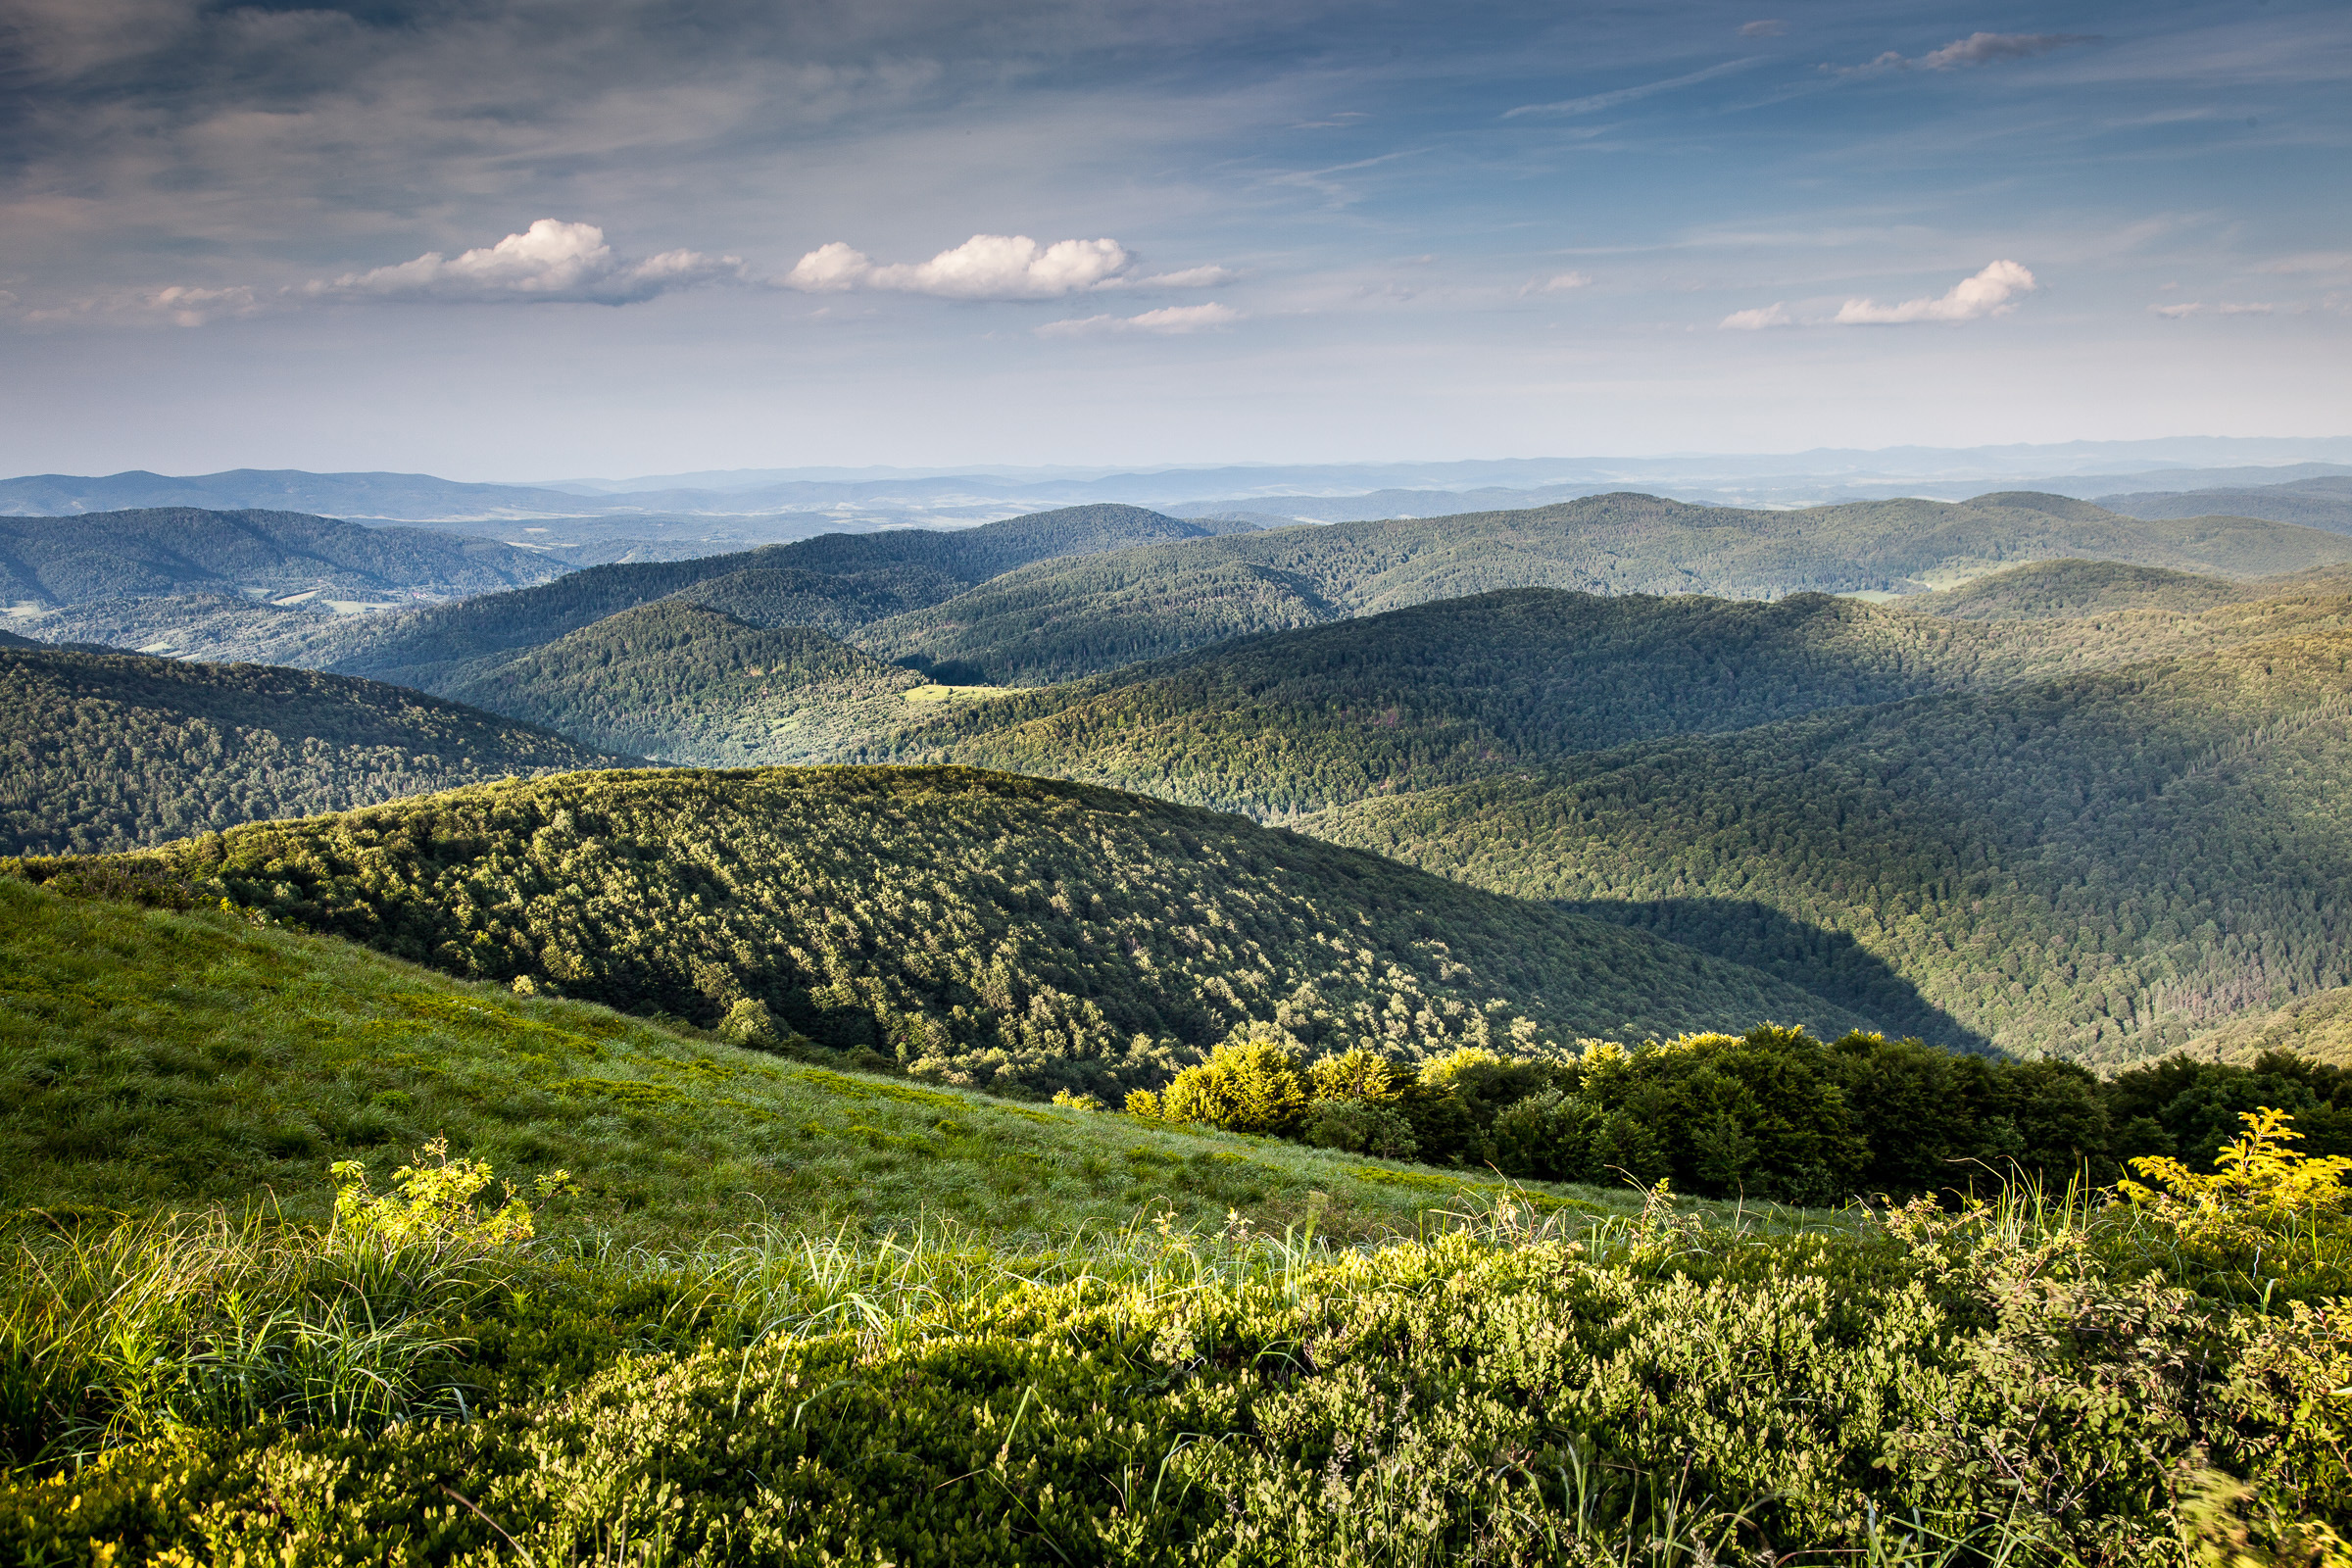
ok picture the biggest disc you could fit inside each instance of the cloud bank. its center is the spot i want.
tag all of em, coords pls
(985, 267)
(551, 263)
(1991, 292)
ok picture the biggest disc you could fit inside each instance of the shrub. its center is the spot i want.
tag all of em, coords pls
(1248, 1084)
(1359, 1128)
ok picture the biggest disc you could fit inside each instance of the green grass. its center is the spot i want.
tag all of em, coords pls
(152, 1061)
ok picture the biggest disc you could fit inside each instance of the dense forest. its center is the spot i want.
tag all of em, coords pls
(680, 682)
(167, 550)
(829, 581)
(1009, 933)
(1058, 621)
(104, 751)
(1458, 689)
(2103, 867)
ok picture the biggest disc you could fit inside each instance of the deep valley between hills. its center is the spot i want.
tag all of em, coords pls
(1513, 965)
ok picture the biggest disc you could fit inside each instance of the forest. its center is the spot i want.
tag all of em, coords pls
(104, 751)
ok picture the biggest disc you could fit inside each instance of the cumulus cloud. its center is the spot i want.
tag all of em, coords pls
(985, 267)
(1755, 321)
(177, 305)
(1562, 283)
(1167, 321)
(1976, 49)
(1991, 292)
(551, 262)
(2199, 308)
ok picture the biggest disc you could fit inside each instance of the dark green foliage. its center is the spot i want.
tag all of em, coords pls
(834, 582)
(1057, 620)
(680, 682)
(2099, 867)
(166, 550)
(2187, 1109)
(105, 751)
(2065, 590)
(977, 927)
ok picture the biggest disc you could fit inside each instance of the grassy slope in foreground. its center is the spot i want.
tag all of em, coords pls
(151, 1062)
(1061, 620)
(974, 927)
(102, 752)
(2103, 865)
(685, 683)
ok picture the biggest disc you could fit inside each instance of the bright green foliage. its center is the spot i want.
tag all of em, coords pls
(1973, 1388)
(971, 928)
(434, 1205)
(2263, 1202)
(1359, 1075)
(2099, 867)
(105, 751)
(1247, 1084)
(682, 683)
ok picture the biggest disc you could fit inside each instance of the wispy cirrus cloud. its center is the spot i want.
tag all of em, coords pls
(2191, 307)
(985, 267)
(552, 261)
(1168, 321)
(1595, 103)
(1976, 49)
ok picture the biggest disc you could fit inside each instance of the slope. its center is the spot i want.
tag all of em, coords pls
(152, 1061)
(2318, 502)
(1059, 620)
(2101, 866)
(978, 928)
(2066, 590)
(102, 752)
(833, 581)
(680, 682)
(67, 560)
(1459, 689)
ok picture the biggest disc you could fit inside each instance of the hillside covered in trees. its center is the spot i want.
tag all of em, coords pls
(273, 555)
(1059, 620)
(977, 928)
(2103, 865)
(102, 752)
(680, 682)
(1464, 688)
(834, 582)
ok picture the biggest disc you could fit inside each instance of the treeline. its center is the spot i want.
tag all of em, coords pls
(101, 752)
(685, 683)
(1063, 620)
(1773, 1113)
(2100, 867)
(1000, 932)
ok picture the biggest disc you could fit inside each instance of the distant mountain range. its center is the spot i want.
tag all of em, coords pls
(762, 505)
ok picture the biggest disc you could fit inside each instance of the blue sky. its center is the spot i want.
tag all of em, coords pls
(525, 240)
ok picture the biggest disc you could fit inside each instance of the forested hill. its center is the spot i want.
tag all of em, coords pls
(1062, 620)
(976, 927)
(685, 683)
(167, 550)
(1462, 688)
(2065, 590)
(834, 581)
(103, 751)
(2103, 865)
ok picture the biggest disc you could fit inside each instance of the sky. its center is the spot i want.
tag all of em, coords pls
(533, 239)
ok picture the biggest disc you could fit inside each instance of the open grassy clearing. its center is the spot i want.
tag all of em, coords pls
(155, 1060)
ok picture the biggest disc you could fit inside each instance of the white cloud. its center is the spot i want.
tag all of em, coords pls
(177, 305)
(985, 267)
(1755, 321)
(1168, 320)
(1991, 292)
(1190, 278)
(1976, 49)
(2199, 308)
(1561, 283)
(1594, 103)
(1771, 27)
(551, 262)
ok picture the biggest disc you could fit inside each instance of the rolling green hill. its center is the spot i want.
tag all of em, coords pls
(834, 582)
(1061, 620)
(167, 550)
(2103, 865)
(682, 683)
(2318, 1027)
(2067, 590)
(977, 928)
(102, 752)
